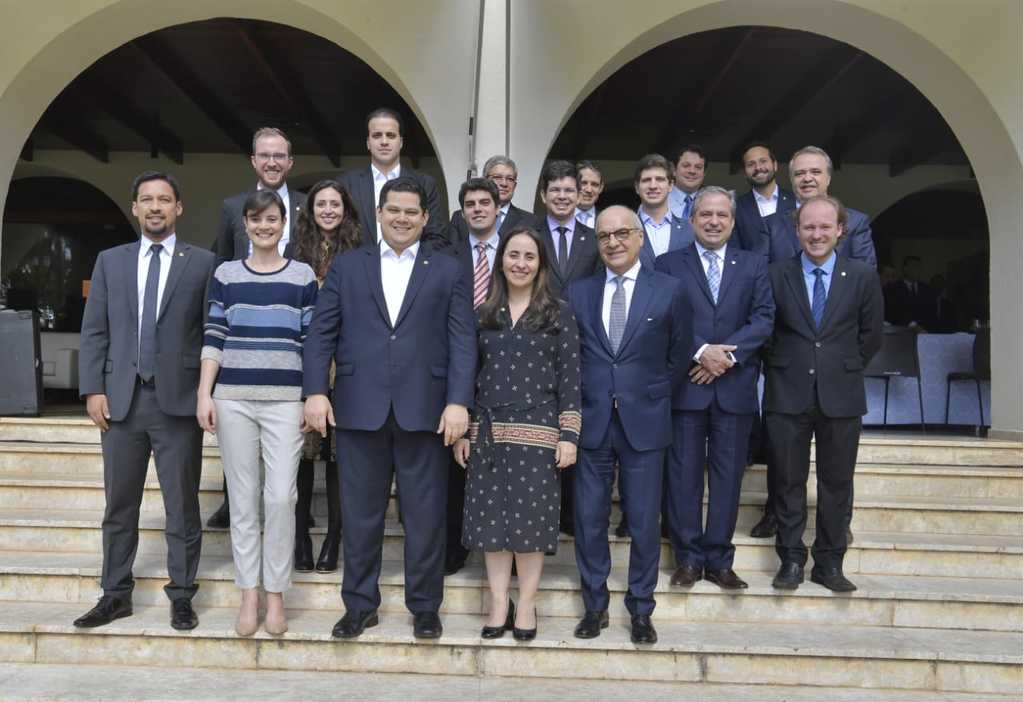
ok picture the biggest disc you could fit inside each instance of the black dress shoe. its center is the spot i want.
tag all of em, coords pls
(327, 562)
(766, 527)
(354, 623)
(303, 554)
(183, 617)
(106, 610)
(831, 578)
(426, 625)
(590, 625)
(496, 632)
(643, 631)
(725, 578)
(526, 634)
(221, 519)
(789, 576)
(685, 575)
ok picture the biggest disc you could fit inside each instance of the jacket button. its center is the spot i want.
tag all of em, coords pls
(393, 337)
(811, 371)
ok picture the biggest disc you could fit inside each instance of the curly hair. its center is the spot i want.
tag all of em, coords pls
(318, 248)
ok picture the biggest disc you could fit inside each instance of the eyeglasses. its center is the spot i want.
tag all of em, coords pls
(620, 235)
(502, 178)
(264, 157)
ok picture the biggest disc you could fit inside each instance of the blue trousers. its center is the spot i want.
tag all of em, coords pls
(639, 484)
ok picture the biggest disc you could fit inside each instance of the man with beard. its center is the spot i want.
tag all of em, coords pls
(765, 198)
(591, 185)
(271, 160)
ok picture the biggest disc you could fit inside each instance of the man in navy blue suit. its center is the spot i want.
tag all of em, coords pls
(634, 334)
(729, 294)
(662, 230)
(397, 319)
(765, 198)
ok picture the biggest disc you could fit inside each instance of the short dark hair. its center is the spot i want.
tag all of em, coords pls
(261, 200)
(556, 170)
(388, 113)
(403, 184)
(754, 145)
(693, 149)
(590, 165)
(147, 176)
(843, 214)
(652, 161)
(479, 184)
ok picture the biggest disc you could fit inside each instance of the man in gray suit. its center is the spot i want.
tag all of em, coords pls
(138, 372)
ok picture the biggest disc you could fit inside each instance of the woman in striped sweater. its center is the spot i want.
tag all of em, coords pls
(259, 311)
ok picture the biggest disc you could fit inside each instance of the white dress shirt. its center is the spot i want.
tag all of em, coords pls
(767, 205)
(288, 224)
(395, 272)
(609, 291)
(166, 256)
(659, 233)
(491, 250)
(701, 250)
(379, 180)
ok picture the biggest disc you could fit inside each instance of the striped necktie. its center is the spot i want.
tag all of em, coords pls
(480, 276)
(713, 274)
(618, 316)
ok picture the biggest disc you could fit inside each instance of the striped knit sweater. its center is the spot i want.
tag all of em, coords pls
(255, 330)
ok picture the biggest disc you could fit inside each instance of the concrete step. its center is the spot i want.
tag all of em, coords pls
(66, 430)
(881, 601)
(825, 655)
(883, 553)
(27, 681)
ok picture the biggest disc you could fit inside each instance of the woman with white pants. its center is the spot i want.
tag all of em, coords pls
(259, 311)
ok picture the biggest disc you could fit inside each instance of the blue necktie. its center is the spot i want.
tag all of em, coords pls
(820, 296)
(147, 335)
(688, 208)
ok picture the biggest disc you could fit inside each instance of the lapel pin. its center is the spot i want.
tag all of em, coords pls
(843, 274)
(733, 262)
(181, 253)
(582, 238)
(426, 263)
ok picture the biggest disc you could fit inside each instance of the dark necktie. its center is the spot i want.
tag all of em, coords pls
(819, 297)
(688, 209)
(563, 249)
(147, 335)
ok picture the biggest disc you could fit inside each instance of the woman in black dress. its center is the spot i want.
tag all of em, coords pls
(525, 428)
(328, 225)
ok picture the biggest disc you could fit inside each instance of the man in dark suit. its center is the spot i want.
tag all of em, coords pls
(765, 198)
(385, 130)
(810, 169)
(634, 331)
(828, 325)
(477, 251)
(572, 250)
(139, 370)
(272, 161)
(502, 171)
(910, 302)
(690, 171)
(397, 320)
(662, 230)
(729, 294)
(591, 186)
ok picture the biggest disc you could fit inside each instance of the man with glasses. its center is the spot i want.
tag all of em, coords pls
(271, 160)
(503, 172)
(634, 334)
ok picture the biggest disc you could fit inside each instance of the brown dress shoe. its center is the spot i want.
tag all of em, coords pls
(725, 579)
(686, 575)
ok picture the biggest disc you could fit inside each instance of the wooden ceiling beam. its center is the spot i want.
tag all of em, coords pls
(78, 135)
(120, 108)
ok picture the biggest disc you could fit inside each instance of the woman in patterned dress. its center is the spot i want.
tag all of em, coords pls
(328, 225)
(525, 428)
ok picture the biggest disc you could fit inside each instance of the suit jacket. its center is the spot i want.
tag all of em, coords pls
(752, 232)
(681, 236)
(359, 182)
(583, 257)
(650, 361)
(804, 362)
(743, 317)
(232, 242)
(857, 242)
(108, 358)
(458, 230)
(415, 367)
(901, 306)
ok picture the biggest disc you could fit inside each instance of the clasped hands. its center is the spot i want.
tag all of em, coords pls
(714, 362)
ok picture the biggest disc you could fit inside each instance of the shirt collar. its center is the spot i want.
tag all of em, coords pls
(808, 266)
(646, 219)
(701, 249)
(386, 250)
(491, 242)
(553, 224)
(772, 198)
(504, 209)
(630, 274)
(682, 193)
(167, 244)
(391, 175)
(282, 191)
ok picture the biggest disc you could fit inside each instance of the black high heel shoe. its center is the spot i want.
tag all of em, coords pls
(525, 634)
(496, 632)
(327, 562)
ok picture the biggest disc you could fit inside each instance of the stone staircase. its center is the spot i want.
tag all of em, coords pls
(938, 558)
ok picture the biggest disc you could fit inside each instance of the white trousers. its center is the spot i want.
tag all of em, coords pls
(243, 428)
